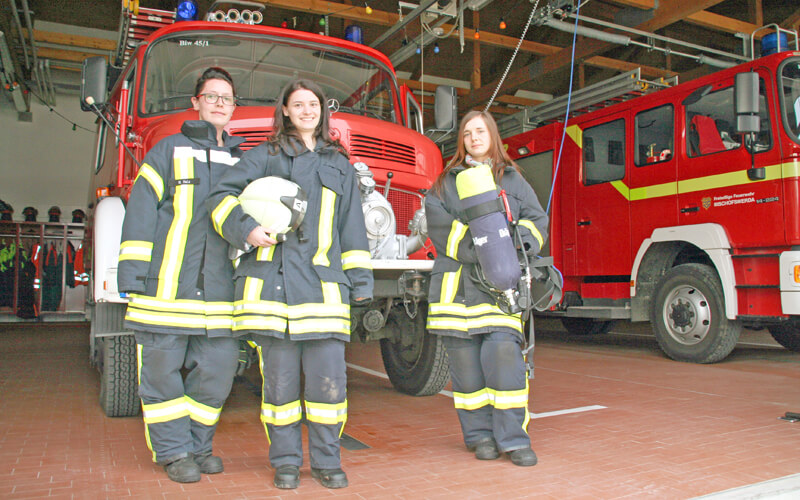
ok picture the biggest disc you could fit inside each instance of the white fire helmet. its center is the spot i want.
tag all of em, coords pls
(276, 203)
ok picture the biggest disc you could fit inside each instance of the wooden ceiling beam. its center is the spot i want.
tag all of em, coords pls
(668, 12)
(622, 66)
(65, 55)
(792, 21)
(86, 42)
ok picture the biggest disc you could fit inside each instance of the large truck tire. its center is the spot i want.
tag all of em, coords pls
(786, 334)
(118, 387)
(586, 326)
(115, 358)
(419, 366)
(688, 315)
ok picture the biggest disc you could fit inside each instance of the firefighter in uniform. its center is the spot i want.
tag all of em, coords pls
(483, 344)
(293, 298)
(173, 265)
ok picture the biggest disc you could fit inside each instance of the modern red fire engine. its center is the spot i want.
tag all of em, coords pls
(376, 119)
(674, 204)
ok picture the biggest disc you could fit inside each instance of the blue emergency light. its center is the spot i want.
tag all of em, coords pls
(186, 11)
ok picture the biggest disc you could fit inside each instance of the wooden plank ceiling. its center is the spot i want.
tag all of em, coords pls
(541, 65)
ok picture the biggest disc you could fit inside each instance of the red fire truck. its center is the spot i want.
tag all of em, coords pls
(376, 119)
(674, 204)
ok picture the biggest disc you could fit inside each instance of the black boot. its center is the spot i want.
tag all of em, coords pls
(487, 450)
(209, 464)
(183, 470)
(330, 478)
(287, 477)
(524, 457)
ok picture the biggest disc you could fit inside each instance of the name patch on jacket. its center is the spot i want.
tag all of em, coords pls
(183, 182)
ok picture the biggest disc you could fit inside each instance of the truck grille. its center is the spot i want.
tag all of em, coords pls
(252, 137)
(404, 205)
(380, 149)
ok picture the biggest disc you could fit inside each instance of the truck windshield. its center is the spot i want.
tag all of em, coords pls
(260, 67)
(790, 85)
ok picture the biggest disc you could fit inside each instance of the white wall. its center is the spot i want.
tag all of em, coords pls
(44, 162)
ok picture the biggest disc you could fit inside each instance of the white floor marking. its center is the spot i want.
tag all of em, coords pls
(450, 395)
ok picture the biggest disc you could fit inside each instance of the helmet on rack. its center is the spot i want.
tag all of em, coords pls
(77, 216)
(276, 203)
(30, 214)
(54, 213)
(5, 210)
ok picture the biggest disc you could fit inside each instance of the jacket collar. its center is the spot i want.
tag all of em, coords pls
(204, 134)
(320, 148)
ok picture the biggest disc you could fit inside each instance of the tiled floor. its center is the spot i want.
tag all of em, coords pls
(667, 429)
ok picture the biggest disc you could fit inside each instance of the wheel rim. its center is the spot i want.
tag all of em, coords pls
(687, 315)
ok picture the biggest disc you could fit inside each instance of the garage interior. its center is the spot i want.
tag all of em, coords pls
(612, 415)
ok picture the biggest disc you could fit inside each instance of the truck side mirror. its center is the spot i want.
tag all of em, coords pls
(747, 119)
(444, 108)
(94, 81)
(746, 103)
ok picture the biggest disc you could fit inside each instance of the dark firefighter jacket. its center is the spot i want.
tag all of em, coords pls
(457, 307)
(171, 261)
(304, 284)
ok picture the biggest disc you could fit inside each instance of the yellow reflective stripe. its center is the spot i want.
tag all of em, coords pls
(458, 324)
(136, 250)
(457, 232)
(182, 204)
(472, 400)
(152, 177)
(331, 294)
(185, 306)
(450, 281)
(325, 234)
(506, 400)
(326, 413)
(327, 309)
(532, 228)
(356, 258)
(316, 325)
(576, 134)
(264, 307)
(264, 254)
(223, 210)
(281, 414)
(165, 412)
(252, 290)
(787, 170)
(206, 415)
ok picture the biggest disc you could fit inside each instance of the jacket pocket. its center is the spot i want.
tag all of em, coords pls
(332, 275)
(331, 178)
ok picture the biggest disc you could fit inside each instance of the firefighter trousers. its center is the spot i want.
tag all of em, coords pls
(490, 389)
(180, 416)
(323, 366)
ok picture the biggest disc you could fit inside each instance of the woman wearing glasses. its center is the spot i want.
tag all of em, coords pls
(175, 269)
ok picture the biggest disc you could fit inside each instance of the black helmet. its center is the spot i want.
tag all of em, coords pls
(30, 214)
(78, 215)
(54, 213)
(5, 210)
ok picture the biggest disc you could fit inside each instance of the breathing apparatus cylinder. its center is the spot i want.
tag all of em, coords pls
(489, 228)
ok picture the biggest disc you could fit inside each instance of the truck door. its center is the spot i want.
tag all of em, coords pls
(653, 176)
(601, 204)
(713, 180)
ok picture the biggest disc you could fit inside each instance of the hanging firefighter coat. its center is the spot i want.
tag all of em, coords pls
(171, 262)
(306, 282)
(457, 307)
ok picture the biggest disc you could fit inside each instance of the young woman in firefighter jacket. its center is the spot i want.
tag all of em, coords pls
(174, 266)
(293, 298)
(483, 344)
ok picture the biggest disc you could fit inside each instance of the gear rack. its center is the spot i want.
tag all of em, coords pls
(135, 24)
